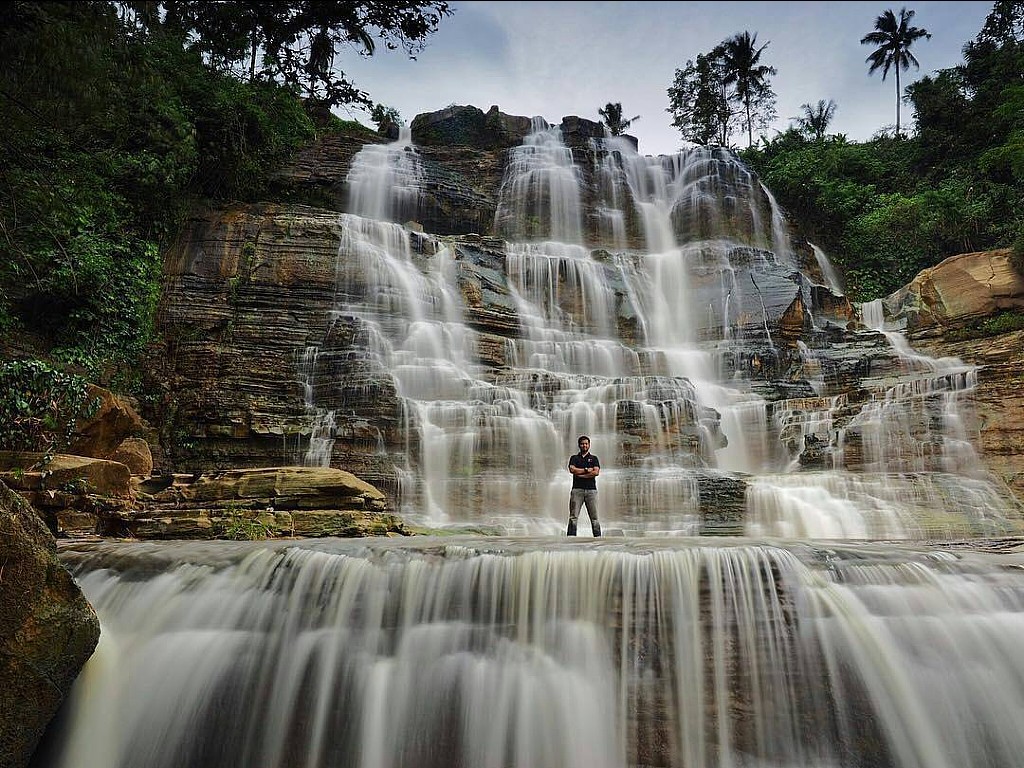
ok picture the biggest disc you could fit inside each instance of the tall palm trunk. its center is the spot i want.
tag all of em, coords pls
(750, 127)
(897, 102)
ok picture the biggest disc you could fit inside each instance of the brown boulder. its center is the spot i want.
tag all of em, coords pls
(958, 291)
(284, 487)
(71, 474)
(47, 630)
(101, 434)
(255, 503)
(135, 454)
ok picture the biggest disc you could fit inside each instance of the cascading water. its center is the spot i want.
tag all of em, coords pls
(665, 355)
(827, 270)
(527, 653)
(385, 179)
(692, 364)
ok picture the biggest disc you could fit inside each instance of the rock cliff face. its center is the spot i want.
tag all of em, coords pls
(274, 322)
(47, 629)
(972, 307)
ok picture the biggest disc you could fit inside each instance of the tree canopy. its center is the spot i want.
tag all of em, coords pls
(721, 90)
(887, 208)
(744, 71)
(816, 118)
(611, 115)
(118, 117)
(295, 44)
(894, 37)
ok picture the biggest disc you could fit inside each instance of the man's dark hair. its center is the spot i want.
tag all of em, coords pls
(581, 439)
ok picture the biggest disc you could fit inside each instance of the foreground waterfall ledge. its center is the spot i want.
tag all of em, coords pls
(539, 652)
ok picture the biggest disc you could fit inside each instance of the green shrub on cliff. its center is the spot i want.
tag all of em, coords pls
(108, 138)
(887, 208)
(1017, 254)
(40, 406)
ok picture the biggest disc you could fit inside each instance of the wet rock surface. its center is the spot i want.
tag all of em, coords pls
(47, 629)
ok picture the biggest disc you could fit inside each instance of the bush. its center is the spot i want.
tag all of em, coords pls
(1017, 254)
(39, 407)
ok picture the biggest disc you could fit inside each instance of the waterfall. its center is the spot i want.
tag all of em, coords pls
(385, 179)
(472, 652)
(654, 305)
(669, 356)
(540, 196)
(827, 270)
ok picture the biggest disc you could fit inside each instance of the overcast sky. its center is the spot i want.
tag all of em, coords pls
(554, 59)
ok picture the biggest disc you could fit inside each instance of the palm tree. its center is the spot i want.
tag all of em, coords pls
(893, 38)
(743, 68)
(612, 114)
(815, 120)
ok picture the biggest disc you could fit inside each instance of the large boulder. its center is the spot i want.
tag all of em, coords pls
(469, 126)
(47, 629)
(70, 493)
(114, 420)
(256, 503)
(959, 291)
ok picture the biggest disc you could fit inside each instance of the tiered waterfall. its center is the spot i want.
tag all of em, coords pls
(662, 307)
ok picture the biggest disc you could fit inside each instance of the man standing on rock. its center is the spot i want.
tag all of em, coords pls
(584, 467)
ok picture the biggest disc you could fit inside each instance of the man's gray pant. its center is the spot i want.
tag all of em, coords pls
(577, 498)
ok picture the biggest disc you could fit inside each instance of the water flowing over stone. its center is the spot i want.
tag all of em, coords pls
(384, 180)
(827, 270)
(674, 329)
(531, 653)
(540, 196)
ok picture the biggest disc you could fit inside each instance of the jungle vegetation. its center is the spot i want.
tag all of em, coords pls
(117, 118)
(887, 208)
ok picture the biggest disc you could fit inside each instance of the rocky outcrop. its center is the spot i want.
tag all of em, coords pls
(259, 503)
(69, 493)
(113, 421)
(958, 293)
(469, 126)
(47, 630)
(79, 496)
(971, 307)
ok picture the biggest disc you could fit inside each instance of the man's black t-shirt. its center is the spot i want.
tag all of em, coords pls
(585, 462)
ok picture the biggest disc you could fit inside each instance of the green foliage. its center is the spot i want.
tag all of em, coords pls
(741, 60)
(1004, 322)
(893, 38)
(815, 119)
(247, 525)
(1017, 254)
(698, 101)
(294, 44)
(611, 116)
(726, 83)
(39, 406)
(887, 208)
(385, 118)
(109, 138)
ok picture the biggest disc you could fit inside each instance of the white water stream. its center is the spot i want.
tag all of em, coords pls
(527, 653)
(653, 649)
(673, 395)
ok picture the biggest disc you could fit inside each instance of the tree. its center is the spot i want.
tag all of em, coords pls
(612, 115)
(815, 119)
(299, 41)
(893, 37)
(744, 71)
(698, 100)
(387, 119)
